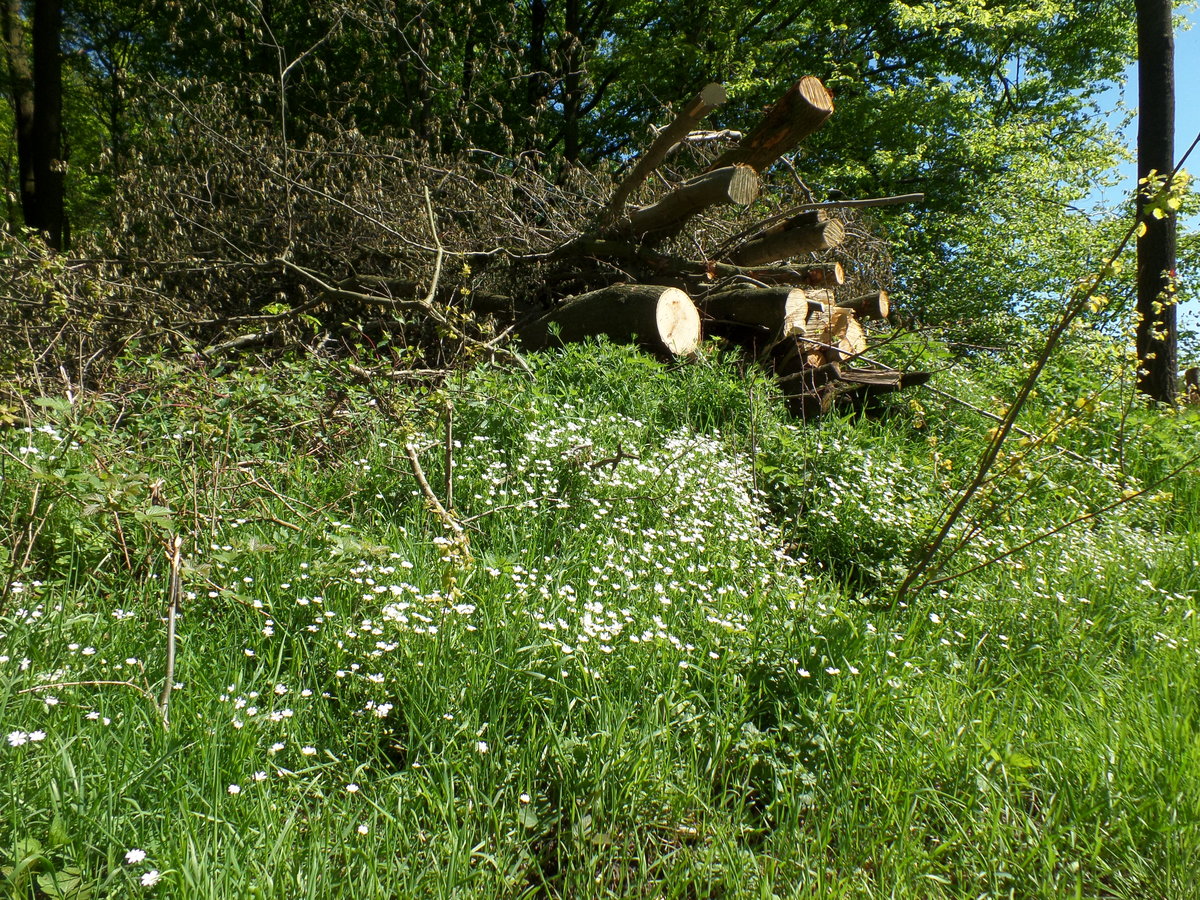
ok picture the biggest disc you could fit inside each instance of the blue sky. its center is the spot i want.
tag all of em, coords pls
(1187, 125)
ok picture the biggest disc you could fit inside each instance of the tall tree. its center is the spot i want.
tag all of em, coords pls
(36, 89)
(1157, 330)
(49, 167)
(20, 73)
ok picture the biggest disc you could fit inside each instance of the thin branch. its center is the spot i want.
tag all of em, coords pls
(418, 473)
(174, 591)
(1129, 498)
(1008, 421)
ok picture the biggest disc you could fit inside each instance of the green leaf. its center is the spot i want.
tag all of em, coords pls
(67, 882)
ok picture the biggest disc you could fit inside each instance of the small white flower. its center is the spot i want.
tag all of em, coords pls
(352, 788)
(260, 776)
(363, 828)
(17, 738)
(481, 746)
(151, 878)
(135, 856)
(525, 798)
(234, 789)
(309, 751)
(37, 736)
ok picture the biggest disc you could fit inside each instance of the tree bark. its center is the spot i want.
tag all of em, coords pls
(796, 115)
(710, 97)
(661, 319)
(734, 184)
(48, 164)
(795, 237)
(21, 87)
(1157, 329)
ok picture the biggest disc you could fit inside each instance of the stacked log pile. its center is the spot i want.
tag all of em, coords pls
(763, 292)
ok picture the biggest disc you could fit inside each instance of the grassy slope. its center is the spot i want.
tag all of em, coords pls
(651, 672)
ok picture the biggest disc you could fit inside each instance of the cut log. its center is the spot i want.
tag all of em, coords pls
(803, 238)
(796, 115)
(830, 334)
(732, 184)
(869, 306)
(661, 319)
(710, 97)
(770, 308)
(698, 274)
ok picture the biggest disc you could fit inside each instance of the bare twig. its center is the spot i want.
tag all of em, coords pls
(174, 590)
(441, 251)
(1123, 501)
(439, 510)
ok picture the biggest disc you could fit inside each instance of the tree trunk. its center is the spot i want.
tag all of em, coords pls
(21, 86)
(661, 319)
(805, 234)
(796, 115)
(735, 184)
(1156, 330)
(572, 83)
(48, 164)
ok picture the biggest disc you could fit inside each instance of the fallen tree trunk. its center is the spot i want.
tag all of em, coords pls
(803, 236)
(775, 309)
(796, 115)
(661, 319)
(731, 184)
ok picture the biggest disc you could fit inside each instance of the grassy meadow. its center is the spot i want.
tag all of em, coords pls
(650, 652)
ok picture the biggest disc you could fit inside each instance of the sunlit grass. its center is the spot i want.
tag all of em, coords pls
(659, 665)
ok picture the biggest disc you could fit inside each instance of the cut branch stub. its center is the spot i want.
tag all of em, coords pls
(796, 115)
(662, 319)
(801, 237)
(869, 306)
(732, 184)
(710, 97)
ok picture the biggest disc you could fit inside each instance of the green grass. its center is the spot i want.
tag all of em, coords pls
(661, 666)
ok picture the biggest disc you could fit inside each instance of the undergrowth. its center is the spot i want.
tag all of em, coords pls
(657, 661)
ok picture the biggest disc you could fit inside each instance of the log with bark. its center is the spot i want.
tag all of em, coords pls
(732, 184)
(806, 233)
(875, 305)
(661, 319)
(796, 115)
(774, 309)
